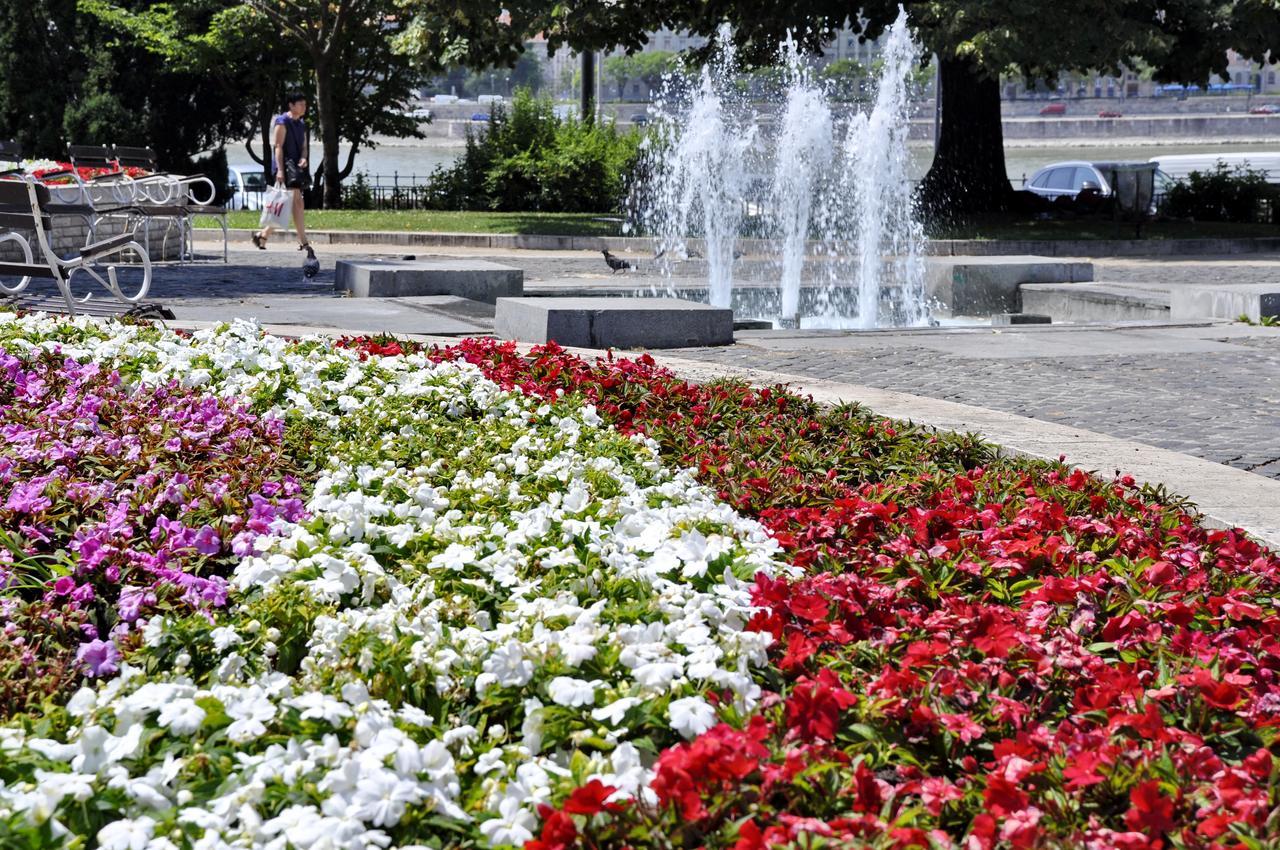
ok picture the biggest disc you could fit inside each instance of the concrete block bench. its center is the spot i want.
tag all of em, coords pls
(984, 286)
(1254, 300)
(478, 280)
(614, 322)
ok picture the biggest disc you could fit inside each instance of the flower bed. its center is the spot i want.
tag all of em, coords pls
(546, 602)
(996, 652)
(52, 171)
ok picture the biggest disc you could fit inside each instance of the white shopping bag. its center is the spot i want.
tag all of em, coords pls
(277, 208)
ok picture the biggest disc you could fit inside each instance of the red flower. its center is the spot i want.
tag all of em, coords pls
(815, 705)
(1151, 811)
(590, 799)
(1218, 694)
(558, 831)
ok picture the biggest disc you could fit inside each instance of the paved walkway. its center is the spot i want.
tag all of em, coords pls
(1211, 392)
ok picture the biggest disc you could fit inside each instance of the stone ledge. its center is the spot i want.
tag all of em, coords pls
(603, 323)
(1228, 301)
(477, 280)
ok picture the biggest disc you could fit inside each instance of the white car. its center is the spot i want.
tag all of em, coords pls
(245, 185)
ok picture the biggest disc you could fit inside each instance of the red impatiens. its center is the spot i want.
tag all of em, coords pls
(983, 652)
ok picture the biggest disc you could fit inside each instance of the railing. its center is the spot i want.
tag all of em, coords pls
(361, 191)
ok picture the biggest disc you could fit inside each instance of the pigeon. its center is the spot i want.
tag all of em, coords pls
(616, 263)
(310, 266)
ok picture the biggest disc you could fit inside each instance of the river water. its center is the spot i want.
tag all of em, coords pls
(419, 157)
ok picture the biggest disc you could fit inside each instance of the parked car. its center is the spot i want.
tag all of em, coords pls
(1054, 109)
(1110, 113)
(1069, 179)
(480, 116)
(245, 185)
(640, 119)
(422, 114)
(1066, 180)
(1266, 109)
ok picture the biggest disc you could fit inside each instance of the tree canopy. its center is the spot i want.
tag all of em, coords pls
(975, 41)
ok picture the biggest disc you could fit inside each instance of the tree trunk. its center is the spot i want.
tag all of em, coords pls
(264, 128)
(968, 172)
(328, 136)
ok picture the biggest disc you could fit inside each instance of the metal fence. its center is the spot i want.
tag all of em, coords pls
(360, 191)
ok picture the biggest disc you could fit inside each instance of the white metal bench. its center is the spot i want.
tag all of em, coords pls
(25, 207)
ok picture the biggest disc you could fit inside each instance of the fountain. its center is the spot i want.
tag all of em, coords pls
(701, 178)
(803, 154)
(826, 196)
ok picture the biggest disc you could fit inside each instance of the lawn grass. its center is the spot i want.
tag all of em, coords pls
(603, 224)
(1006, 227)
(537, 223)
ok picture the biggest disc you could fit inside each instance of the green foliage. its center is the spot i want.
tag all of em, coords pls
(647, 68)
(1241, 194)
(846, 79)
(531, 160)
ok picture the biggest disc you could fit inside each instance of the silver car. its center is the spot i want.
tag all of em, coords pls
(245, 185)
(1067, 179)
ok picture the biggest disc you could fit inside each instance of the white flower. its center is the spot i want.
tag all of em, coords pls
(99, 748)
(691, 716)
(249, 712)
(513, 825)
(571, 692)
(182, 716)
(225, 637)
(508, 666)
(381, 798)
(127, 834)
(314, 705)
(615, 711)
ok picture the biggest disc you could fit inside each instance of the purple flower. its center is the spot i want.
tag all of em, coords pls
(207, 541)
(99, 657)
(64, 585)
(132, 601)
(28, 498)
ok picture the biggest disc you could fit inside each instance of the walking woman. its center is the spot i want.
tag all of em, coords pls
(290, 150)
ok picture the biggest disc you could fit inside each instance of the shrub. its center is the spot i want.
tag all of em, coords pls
(531, 160)
(1240, 194)
(358, 195)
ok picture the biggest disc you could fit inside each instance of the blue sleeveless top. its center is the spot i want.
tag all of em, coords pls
(295, 138)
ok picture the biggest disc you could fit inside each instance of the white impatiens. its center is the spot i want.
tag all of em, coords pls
(492, 600)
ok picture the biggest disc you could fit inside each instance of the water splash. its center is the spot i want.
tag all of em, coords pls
(699, 176)
(874, 201)
(849, 250)
(804, 152)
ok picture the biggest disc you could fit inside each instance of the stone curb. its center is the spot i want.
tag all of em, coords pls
(937, 247)
(1227, 497)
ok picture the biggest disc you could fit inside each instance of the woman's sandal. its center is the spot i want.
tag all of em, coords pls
(257, 240)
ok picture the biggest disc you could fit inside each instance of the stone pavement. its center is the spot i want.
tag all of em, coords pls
(1210, 391)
